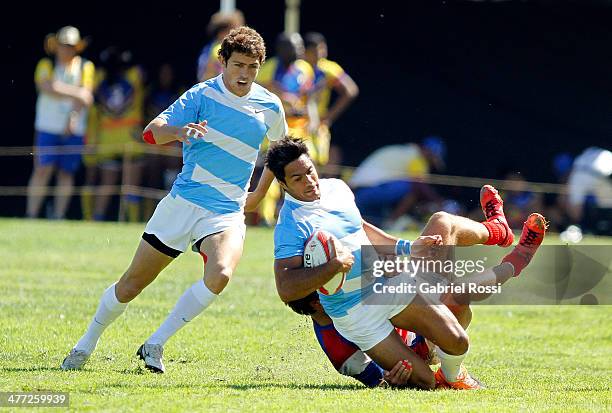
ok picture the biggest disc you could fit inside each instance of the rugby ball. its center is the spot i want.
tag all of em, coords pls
(317, 251)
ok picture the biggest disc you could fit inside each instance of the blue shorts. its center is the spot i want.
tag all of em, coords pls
(376, 202)
(67, 162)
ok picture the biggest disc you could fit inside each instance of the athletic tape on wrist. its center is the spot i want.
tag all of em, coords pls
(402, 247)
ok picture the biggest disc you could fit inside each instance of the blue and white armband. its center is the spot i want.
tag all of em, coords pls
(402, 247)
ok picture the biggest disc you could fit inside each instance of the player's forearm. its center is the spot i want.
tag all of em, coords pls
(159, 132)
(296, 283)
(264, 181)
(255, 197)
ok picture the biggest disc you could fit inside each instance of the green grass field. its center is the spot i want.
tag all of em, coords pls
(248, 351)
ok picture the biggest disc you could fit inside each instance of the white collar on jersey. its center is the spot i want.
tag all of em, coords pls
(305, 203)
(219, 80)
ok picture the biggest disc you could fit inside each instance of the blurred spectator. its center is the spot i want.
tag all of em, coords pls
(115, 132)
(590, 191)
(291, 79)
(160, 169)
(329, 76)
(64, 87)
(219, 26)
(519, 202)
(386, 183)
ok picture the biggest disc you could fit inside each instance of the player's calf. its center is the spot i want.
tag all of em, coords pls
(131, 284)
(146, 265)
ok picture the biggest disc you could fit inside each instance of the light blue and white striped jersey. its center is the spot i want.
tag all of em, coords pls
(217, 169)
(336, 213)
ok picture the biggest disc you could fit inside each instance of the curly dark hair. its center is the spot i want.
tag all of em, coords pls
(243, 40)
(284, 152)
(303, 306)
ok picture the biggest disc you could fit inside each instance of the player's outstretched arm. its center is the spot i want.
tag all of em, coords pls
(389, 245)
(158, 132)
(293, 281)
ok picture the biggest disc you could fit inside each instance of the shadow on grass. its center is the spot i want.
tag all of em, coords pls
(138, 371)
(220, 383)
(215, 384)
(27, 369)
(291, 386)
(241, 387)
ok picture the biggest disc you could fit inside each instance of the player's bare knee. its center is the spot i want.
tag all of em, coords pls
(454, 341)
(460, 343)
(218, 278)
(129, 286)
(440, 216)
(441, 223)
(126, 291)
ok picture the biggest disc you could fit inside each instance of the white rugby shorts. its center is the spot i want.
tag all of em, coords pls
(178, 223)
(366, 325)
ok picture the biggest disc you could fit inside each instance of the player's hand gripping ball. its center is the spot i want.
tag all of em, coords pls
(319, 250)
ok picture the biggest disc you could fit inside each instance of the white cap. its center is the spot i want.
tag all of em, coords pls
(69, 35)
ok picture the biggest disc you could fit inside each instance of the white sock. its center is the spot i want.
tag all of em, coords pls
(109, 309)
(450, 364)
(191, 303)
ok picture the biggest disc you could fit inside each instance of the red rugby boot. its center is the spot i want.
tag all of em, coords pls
(532, 236)
(492, 206)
